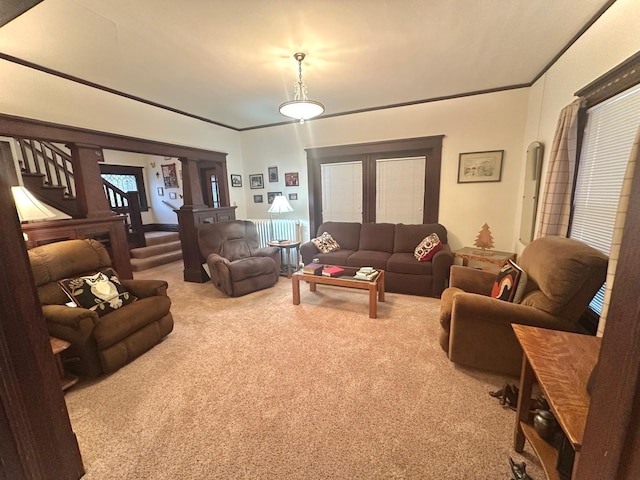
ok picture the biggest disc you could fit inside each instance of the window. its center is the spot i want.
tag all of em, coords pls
(127, 179)
(608, 138)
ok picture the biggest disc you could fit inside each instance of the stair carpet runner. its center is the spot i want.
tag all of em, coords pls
(162, 247)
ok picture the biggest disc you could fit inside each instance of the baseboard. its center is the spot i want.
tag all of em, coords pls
(161, 227)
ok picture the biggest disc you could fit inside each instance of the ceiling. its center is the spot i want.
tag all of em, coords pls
(231, 61)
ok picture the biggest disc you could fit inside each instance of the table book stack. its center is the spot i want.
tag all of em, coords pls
(332, 271)
(313, 269)
(366, 273)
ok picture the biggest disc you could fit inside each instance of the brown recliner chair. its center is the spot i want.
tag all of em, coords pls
(237, 265)
(563, 276)
(99, 343)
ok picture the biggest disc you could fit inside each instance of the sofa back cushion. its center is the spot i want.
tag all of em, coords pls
(377, 236)
(347, 234)
(408, 237)
(232, 240)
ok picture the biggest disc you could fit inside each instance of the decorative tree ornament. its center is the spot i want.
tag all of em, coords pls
(484, 240)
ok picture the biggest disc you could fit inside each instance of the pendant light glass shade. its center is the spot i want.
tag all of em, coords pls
(301, 108)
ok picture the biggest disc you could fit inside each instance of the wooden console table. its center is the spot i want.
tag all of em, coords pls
(561, 362)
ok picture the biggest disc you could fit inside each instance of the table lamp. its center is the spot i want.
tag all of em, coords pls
(279, 205)
(29, 207)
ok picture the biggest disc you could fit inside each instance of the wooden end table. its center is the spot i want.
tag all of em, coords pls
(561, 362)
(493, 259)
(375, 286)
(58, 346)
(286, 246)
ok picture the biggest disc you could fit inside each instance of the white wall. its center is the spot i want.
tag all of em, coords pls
(611, 40)
(493, 121)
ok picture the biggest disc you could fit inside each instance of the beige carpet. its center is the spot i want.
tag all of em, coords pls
(255, 387)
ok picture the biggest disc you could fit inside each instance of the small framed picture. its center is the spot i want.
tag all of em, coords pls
(273, 174)
(291, 179)
(236, 180)
(256, 180)
(293, 196)
(477, 167)
(271, 196)
(172, 195)
(257, 199)
(160, 192)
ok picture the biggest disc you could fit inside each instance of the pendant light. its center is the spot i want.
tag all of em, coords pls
(301, 108)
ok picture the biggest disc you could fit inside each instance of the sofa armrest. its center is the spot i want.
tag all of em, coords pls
(145, 288)
(471, 280)
(69, 316)
(308, 250)
(441, 261)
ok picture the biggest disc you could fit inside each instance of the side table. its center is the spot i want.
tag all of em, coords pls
(561, 362)
(493, 258)
(286, 245)
(58, 346)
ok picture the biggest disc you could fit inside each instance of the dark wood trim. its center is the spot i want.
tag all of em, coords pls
(615, 81)
(611, 444)
(161, 227)
(33, 405)
(12, 9)
(368, 153)
(13, 126)
(130, 170)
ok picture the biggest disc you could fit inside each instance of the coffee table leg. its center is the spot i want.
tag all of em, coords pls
(381, 288)
(295, 286)
(312, 286)
(373, 301)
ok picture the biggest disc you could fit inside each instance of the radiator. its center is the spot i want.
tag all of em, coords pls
(283, 229)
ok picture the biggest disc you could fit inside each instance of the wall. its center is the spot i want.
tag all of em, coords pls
(493, 121)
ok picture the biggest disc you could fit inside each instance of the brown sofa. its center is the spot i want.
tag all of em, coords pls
(99, 344)
(563, 276)
(237, 265)
(389, 247)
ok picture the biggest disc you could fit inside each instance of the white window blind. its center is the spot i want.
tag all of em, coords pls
(400, 190)
(341, 192)
(608, 139)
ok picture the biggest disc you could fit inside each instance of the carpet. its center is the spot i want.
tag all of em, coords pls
(255, 387)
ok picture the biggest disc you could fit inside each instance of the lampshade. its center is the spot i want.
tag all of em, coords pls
(301, 108)
(29, 207)
(280, 205)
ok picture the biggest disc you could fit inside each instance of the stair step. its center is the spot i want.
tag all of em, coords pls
(151, 250)
(155, 238)
(138, 264)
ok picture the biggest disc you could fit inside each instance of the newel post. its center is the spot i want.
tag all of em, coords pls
(89, 188)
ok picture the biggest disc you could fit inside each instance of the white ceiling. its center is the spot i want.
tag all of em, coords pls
(231, 62)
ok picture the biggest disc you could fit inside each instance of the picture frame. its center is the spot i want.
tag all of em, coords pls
(160, 191)
(170, 176)
(236, 180)
(173, 195)
(256, 180)
(271, 196)
(291, 179)
(273, 174)
(293, 196)
(477, 167)
(258, 199)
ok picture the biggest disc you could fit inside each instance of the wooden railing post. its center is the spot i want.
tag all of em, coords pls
(135, 219)
(89, 188)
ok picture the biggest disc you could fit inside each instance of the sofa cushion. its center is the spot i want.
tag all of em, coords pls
(347, 234)
(427, 248)
(101, 292)
(326, 243)
(369, 258)
(377, 236)
(406, 263)
(250, 267)
(510, 283)
(408, 236)
(334, 258)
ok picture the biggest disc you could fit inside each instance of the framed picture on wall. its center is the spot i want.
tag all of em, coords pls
(170, 176)
(293, 196)
(477, 167)
(172, 195)
(256, 180)
(160, 191)
(291, 179)
(236, 180)
(273, 174)
(257, 199)
(271, 196)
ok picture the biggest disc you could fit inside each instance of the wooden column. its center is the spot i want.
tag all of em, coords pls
(192, 189)
(89, 189)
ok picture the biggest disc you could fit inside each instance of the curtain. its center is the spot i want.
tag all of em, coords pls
(556, 203)
(621, 216)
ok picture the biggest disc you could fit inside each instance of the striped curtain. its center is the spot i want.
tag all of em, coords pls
(621, 216)
(556, 203)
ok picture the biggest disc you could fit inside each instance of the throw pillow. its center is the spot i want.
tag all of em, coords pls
(510, 283)
(326, 243)
(427, 248)
(101, 292)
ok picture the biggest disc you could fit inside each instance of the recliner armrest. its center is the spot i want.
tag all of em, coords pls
(471, 280)
(68, 316)
(265, 252)
(145, 288)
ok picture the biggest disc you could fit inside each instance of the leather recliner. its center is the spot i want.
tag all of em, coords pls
(237, 264)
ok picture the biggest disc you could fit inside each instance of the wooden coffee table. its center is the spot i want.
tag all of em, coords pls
(375, 286)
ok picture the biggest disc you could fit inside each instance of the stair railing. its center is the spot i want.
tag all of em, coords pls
(46, 159)
(128, 204)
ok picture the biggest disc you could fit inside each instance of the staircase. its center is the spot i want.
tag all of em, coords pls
(162, 247)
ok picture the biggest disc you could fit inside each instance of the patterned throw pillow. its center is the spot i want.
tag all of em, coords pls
(326, 243)
(101, 292)
(427, 248)
(510, 283)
